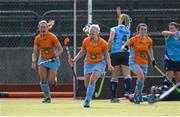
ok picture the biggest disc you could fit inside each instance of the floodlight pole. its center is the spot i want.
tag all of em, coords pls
(89, 11)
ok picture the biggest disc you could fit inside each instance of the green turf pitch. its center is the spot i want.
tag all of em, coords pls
(70, 107)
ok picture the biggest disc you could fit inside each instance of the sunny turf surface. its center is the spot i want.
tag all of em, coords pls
(61, 106)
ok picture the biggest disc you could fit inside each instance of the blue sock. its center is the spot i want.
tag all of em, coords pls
(114, 84)
(127, 85)
(142, 85)
(136, 90)
(90, 91)
(45, 89)
(139, 87)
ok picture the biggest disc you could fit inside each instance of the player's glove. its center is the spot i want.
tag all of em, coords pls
(53, 59)
(154, 63)
(124, 48)
(71, 62)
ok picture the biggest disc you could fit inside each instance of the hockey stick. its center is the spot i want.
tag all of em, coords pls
(46, 61)
(169, 91)
(97, 94)
(66, 41)
(162, 96)
(159, 70)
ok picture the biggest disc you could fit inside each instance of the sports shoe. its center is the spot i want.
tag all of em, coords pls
(126, 94)
(151, 99)
(140, 98)
(46, 100)
(115, 100)
(136, 99)
(86, 104)
(130, 97)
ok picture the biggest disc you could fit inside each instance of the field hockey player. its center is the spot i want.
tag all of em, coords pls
(50, 49)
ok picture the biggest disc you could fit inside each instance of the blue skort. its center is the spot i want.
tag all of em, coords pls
(134, 67)
(52, 65)
(89, 68)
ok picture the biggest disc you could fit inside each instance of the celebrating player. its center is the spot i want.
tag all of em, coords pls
(96, 50)
(140, 46)
(50, 49)
(118, 36)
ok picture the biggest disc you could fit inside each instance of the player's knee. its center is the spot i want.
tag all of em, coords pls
(115, 71)
(94, 77)
(141, 77)
(170, 74)
(93, 80)
(115, 78)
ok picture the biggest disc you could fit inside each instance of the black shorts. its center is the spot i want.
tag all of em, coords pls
(121, 58)
(172, 65)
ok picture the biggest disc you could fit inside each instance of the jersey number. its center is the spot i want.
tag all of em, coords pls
(124, 38)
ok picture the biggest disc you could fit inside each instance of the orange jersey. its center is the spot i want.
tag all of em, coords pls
(47, 45)
(94, 54)
(139, 49)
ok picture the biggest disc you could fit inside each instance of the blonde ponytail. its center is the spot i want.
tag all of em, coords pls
(126, 19)
(49, 24)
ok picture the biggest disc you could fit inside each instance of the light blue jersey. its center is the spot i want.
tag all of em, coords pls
(172, 45)
(122, 34)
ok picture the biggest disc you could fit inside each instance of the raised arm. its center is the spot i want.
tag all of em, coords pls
(168, 33)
